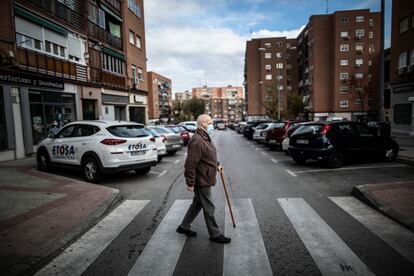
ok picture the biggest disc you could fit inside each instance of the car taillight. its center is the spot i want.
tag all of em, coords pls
(152, 139)
(163, 138)
(325, 129)
(112, 142)
(184, 134)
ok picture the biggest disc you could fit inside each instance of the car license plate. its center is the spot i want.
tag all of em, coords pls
(176, 146)
(272, 141)
(138, 153)
(303, 142)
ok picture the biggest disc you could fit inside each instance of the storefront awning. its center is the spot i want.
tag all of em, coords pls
(114, 53)
(39, 20)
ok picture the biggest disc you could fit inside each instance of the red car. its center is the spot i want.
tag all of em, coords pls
(275, 135)
(185, 135)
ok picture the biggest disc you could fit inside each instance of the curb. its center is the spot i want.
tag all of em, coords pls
(406, 160)
(362, 193)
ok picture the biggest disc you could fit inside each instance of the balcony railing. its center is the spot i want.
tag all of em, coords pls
(99, 76)
(44, 64)
(100, 34)
(115, 4)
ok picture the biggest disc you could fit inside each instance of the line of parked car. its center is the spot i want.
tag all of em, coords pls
(331, 142)
(103, 147)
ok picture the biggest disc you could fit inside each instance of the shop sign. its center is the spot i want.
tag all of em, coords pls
(25, 80)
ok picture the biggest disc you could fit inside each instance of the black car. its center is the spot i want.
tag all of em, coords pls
(250, 128)
(336, 141)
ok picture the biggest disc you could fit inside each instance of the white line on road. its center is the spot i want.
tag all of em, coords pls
(351, 168)
(398, 237)
(291, 173)
(264, 153)
(161, 254)
(330, 253)
(274, 161)
(162, 174)
(246, 254)
(256, 148)
(81, 254)
(177, 161)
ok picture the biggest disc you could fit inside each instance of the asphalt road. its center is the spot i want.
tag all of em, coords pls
(289, 224)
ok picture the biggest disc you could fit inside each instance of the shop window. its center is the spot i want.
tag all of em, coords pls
(403, 113)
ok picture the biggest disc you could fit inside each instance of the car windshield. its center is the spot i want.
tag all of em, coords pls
(128, 131)
(179, 129)
(309, 129)
(262, 126)
(153, 132)
(190, 127)
(163, 130)
(278, 125)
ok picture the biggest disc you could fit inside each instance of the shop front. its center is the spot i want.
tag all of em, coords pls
(138, 109)
(91, 102)
(114, 107)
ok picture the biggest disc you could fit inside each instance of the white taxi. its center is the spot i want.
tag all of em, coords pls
(99, 147)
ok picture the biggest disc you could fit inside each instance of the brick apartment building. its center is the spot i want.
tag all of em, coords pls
(270, 63)
(222, 102)
(65, 61)
(182, 96)
(337, 73)
(402, 67)
(159, 98)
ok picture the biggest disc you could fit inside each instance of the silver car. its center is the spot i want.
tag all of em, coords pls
(173, 141)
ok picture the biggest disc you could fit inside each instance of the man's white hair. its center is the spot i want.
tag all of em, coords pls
(203, 118)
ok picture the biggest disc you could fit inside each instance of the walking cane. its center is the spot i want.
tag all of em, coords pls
(228, 199)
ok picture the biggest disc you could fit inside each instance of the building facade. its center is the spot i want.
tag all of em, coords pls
(160, 98)
(270, 74)
(183, 96)
(225, 103)
(62, 61)
(402, 67)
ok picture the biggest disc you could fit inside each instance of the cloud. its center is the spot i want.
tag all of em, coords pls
(267, 33)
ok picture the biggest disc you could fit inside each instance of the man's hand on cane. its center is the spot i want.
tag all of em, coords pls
(190, 188)
(220, 168)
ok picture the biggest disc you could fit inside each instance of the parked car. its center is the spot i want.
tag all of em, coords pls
(188, 123)
(275, 135)
(240, 127)
(259, 132)
(99, 147)
(190, 128)
(250, 127)
(159, 143)
(335, 142)
(221, 126)
(285, 142)
(173, 141)
(184, 134)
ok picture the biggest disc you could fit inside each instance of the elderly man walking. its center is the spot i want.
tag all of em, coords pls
(200, 175)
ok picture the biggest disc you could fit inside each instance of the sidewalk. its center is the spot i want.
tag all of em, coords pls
(406, 143)
(40, 213)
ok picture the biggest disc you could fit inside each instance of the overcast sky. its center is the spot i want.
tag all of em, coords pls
(198, 42)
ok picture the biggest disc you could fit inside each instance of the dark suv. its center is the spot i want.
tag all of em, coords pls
(336, 141)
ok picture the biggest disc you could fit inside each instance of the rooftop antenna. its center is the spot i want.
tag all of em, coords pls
(327, 6)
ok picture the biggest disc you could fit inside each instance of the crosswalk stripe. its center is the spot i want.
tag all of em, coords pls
(81, 254)
(161, 254)
(398, 237)
(246, 254)
(330, 253)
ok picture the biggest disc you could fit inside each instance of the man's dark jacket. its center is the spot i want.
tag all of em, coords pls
(201, 163)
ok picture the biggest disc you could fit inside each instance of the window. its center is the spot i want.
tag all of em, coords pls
(134, 73)
(344, 48)
(86, 130)
(371, 34)
(358, 101)
(113, 64)
(343, 76)
(138, 42)
(268, 67)
(140, 74)
(344, 62)
(359, 76)
(268, 77)
(268, 55)
(359, 33)
(268, 45)
(359, 19)
(48, 46)
(288, 45)
(279, 44)
(134, 7)
(279, 77)
(359, 48)
(371, 22)
(402, 60)
(412, 57)
(359, 61)
(344, 19)
(66, 132)
(369, 62)
(403, 113)
(131, 37)
(279, 55)
(371, 49)
(101, 19)
(279, 65)
(28, 42)
(288, 66)
(344, 34)
(404, 24)
(343, 89)
(343, 103)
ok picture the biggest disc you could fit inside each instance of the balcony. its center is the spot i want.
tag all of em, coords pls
(48, 65)
(99, 76)
(102, 35)
(114, 4)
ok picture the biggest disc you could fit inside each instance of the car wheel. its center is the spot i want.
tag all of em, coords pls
(143, 170)
(336, 159)
(298, 159)
(172, 152)
(91, 170)
(391, 152)
(43, 161)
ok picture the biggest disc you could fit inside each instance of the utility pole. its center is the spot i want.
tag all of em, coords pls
(382, 73)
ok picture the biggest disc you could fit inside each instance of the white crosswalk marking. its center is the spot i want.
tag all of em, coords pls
(398, 237)
(330, 253)
(246, 254)
(161, 254)
(81, 254)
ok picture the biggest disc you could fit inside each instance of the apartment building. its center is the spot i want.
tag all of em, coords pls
(339, 63)
(225, 103)
(270, 71)
(182, 96)
(64, 60)
(402, 67)
(159, 98)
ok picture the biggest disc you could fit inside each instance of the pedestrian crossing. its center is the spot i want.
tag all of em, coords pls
(246, 254)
